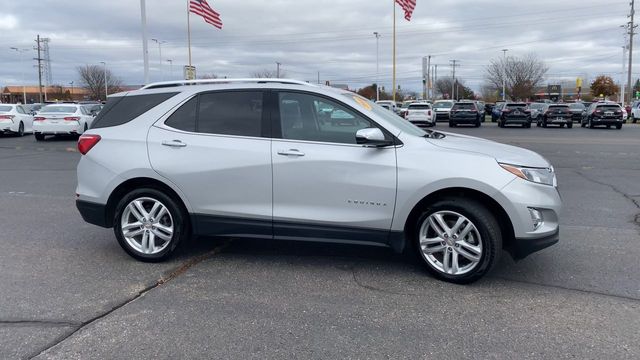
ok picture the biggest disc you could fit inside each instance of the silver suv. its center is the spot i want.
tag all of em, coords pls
(253, 158)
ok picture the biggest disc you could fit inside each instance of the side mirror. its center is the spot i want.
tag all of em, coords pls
(372, 137)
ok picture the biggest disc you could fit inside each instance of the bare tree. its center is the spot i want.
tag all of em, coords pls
(523, 75)
(208, 76)
(444, 86)
(268, 74)
(92, 78)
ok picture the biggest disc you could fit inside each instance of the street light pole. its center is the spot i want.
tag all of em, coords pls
(170, 61)
(71, 83)
(106, 93)
(24, 91)
(377, 35)
(159, 42)
(504, 73)
(278, 70)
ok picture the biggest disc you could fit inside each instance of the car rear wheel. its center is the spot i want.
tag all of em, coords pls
(21, 129)
(149, 225)
(570, 125)
(39, 137)
(452, 124)
(618, 126)
(590, 124)
(458, 240)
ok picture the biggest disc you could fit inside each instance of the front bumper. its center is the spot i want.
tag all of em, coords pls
(522, 248)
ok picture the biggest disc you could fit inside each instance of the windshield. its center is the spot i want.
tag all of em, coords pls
(536, 106)
(400, 123)
(58, 109)
(576, 106)
(5, 108)
(406, 105)
(443, 105)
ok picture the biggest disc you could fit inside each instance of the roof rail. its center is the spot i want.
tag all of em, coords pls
(163, 84)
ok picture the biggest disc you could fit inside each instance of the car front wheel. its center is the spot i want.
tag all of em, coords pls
(458, 240)
(149, 225)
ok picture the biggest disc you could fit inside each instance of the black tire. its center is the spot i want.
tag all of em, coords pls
(570, 125)
(544, 122)
(39, 137)
(486, 225)
(582, 124)
(178, 215)
(20, 129)
(590, 124)
(527, 125)
(452, 124)
(478, 123)
(634, 120)
(618, 126)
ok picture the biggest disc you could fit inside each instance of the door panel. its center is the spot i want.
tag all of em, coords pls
(324, 184)
(224, 176)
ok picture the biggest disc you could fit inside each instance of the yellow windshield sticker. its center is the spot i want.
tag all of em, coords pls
(362, 102)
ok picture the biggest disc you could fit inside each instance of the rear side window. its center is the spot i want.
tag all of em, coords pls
(185, 117)
(120, 110)
(230, 113)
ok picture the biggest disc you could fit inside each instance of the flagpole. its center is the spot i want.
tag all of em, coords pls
(145, 51)
(189, 32)
(394, 50)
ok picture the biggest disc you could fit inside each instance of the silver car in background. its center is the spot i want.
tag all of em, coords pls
(250, 158)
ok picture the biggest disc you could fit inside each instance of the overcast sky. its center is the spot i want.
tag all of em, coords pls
(335, 37)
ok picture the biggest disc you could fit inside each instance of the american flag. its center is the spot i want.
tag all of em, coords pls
(407, 6)
(202, 8)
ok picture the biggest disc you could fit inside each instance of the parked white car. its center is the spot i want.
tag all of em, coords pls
(61, 119)
(14, 119)
(388, 104)
(635, 111)
(442, 109)
(421, 114)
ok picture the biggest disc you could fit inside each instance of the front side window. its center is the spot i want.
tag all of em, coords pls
(313, 118)
(230, 113)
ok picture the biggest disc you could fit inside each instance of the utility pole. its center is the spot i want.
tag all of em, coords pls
(632, 28)
(318, 77)
(435, 75)
(377, 35)
(454, 64)
(278, 70)
(504, 73)
(71, 83)
(106, 93)
(39, 70)
(145, 51)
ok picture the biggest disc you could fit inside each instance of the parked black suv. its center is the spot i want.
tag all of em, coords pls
(464, 113)
(515, 113)
(555, 114)
(603, 113)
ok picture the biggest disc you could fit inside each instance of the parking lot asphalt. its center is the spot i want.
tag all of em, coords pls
(70, 292)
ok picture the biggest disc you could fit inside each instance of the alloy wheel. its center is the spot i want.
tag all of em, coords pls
(450, 242)
(147, 225)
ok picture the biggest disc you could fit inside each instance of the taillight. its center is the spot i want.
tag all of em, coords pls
(72, 118)
(429, 112)
(506, 110)
(86, 142)
(10, 117)
(38, 118)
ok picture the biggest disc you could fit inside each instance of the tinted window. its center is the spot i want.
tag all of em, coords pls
(516, 106)
(577, 106)
(120, 110)
(536, 106)
(609, 107)
(230, 113)
(556, 107)
(185, 117)
(5, 108)
(314, 118)
(419, 107)
(463, 106)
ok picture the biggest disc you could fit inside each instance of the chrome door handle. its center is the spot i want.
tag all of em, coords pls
(291, 152)
(173, 143)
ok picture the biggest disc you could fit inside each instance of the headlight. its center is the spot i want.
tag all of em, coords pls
(545, 176)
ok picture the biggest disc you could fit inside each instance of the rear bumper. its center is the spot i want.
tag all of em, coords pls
(93, 213)
(7, 127)
(525, 247)
(600, 121)
(464, 120)
(61, 128)
(508, 120)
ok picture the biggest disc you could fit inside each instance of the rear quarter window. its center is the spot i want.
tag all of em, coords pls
(122, 109)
